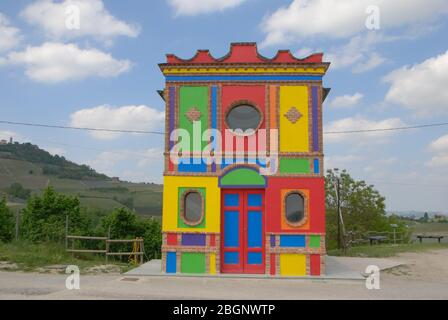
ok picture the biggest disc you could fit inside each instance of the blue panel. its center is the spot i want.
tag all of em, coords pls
(231, 258)
(316, 165)
(292, 241)
(223, 164)
(245, 78)
(240, 161)
(254, 200)
(254, 258)
(254, 221)
(231, 200)
(261, 162)
(214, 106)
(191, 165)
(231, 229)
(171, 262)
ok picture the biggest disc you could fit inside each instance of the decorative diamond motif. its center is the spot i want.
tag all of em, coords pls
(293, 115)
(193, 114)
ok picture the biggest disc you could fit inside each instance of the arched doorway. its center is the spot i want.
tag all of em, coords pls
(242, 221)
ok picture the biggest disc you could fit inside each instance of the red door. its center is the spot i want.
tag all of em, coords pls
(242, 231)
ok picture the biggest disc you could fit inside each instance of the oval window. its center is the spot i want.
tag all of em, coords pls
(193, 208)
(294, 208)
(243, 117)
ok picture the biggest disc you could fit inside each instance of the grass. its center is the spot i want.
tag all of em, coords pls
(387, 250)
(431, 227)
(29, 256)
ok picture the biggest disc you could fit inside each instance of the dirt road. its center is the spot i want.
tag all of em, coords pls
(424, 276)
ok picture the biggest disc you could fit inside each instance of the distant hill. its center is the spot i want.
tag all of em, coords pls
(51, 164)
(34, 169)
(417, 214)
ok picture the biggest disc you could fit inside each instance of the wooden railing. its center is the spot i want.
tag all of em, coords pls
(138, 247)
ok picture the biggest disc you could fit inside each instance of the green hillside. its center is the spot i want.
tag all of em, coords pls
(34, 169)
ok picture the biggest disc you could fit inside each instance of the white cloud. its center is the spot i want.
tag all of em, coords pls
(195, 7)
(359, 53)
(359, 123)
(440, 144)
(374, 60)
(388, 161)
(305, 52)
(139, 176)
(440, 148)
(95, 20)
(9, 36)
(343, 18)
(5, 135)
(341, 162)
(106, 161)
(422, 87)
(131, 117)
(438, 161)
(130, 164)
(149, 156)
(57, 62)
(346, 101)
(55, 150)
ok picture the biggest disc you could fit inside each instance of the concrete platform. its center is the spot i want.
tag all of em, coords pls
(337, 268)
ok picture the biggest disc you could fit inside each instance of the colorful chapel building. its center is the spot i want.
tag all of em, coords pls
(261, 212)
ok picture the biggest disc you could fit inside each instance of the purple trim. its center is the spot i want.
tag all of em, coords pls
(272, 240)
(214, 98)
(193, 239)
(172, 97)
(314, 93)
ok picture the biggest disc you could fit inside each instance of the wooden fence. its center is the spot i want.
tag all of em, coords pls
(137, 252)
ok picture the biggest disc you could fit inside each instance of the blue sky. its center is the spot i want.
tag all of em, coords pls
(105, 75)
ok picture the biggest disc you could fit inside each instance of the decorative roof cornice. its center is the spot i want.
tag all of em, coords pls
(243, 53)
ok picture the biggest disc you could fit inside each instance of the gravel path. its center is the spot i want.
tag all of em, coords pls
(424, 275)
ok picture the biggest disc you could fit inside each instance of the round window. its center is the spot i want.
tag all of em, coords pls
(243, 117)
(294, 208)
(193, 208)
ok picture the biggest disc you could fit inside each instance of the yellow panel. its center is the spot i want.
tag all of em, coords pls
(292, 264)
(171, 184)
(294, 136)
(319, 70)
(212, 263)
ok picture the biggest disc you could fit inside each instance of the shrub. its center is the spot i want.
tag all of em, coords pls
(6, 222)
(44, 217)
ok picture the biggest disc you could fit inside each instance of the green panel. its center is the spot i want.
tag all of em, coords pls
(180, 222)
(189, 97)
(192, 262)
(243, 176)
(291, 165)
(314, 241)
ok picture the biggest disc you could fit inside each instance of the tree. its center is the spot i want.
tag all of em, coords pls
(6, 222)
(18, 191)
(153, 238)
(124, 224)
(363, 207)
(44, 217)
